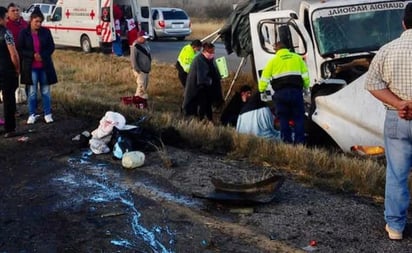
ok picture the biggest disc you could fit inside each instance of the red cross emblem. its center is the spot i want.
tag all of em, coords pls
(105, 13)
(92, 14)
(67, 13)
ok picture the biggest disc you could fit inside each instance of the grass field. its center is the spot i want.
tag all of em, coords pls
(91, 84)
(202, 28)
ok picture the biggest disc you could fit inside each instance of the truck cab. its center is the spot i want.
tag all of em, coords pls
(337, 40)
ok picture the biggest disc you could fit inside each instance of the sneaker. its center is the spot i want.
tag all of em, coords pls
(48, 118)
(32, 119)
(393, 234)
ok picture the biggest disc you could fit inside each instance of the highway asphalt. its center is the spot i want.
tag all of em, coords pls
(167, 51)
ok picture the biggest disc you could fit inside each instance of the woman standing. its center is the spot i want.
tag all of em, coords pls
(36, 47)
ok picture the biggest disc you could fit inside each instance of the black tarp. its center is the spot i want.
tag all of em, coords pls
(236, 31)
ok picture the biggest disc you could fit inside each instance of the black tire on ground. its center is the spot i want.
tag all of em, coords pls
(85, 44)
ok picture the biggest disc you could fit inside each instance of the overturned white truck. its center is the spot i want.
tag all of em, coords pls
(337, 39)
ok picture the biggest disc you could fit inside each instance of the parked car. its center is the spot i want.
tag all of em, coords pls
(170, 22)
(46, 9)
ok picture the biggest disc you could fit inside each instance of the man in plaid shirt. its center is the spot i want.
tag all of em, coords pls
(389, 79)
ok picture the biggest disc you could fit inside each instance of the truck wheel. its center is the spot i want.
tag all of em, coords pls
(85, 44)
(316, 136)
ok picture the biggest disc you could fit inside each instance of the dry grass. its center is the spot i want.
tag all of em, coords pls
(91, 84)
(202, 28)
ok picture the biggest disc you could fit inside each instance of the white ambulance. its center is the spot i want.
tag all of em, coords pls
(90, 24)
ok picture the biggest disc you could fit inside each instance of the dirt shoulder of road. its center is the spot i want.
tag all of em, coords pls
(58, 197)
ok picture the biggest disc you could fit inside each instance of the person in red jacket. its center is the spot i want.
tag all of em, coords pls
(117, 44)
(15, 23)
(9, 72)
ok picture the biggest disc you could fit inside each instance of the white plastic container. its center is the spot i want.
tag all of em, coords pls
(133, 159)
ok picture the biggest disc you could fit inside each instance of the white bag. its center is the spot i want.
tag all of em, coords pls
(20, 94)
(110, 120)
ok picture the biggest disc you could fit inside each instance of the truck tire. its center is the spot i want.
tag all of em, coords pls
(316, 136)
(85, 44)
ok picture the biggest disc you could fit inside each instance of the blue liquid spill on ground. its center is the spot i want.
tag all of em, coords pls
(86, 181)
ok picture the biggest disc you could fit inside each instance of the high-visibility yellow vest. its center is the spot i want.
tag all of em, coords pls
(285, 69)
(186, 56)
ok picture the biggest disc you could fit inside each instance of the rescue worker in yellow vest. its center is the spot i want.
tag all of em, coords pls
(288, 75)
(185, 58)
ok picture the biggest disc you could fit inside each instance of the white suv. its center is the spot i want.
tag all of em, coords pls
(170, 22)
(46, 9)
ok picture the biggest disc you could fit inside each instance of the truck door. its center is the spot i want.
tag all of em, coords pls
(143, 14)
(268, 27)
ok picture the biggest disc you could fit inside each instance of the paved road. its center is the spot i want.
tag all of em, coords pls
(167, 51)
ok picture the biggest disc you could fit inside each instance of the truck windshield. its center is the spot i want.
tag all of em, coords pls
(357, 28)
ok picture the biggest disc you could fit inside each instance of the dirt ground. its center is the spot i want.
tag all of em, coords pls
(56, 196)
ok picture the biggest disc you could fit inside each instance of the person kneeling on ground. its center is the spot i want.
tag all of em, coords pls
(256, 118)
(231, 112)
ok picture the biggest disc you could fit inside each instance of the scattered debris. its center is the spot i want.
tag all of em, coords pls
(311, 247)
(112, 214)
(272, 237)
(137, 101)
(133, 159)
(244, 194)
(84, 134)
(245, 210)
(102, 134)
(370, 151)
(313, 243)
(205, 243)
(23, 139)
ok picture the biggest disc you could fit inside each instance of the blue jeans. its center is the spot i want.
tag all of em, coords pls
(39, 76)
(290, 106)
(398, 151)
